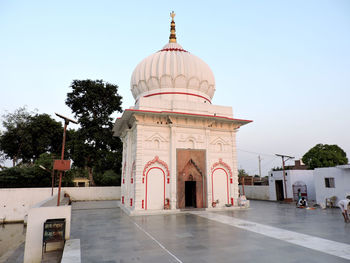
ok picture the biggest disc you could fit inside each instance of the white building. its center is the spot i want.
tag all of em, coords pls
(332, 181)
(295, 179)
(179, 150)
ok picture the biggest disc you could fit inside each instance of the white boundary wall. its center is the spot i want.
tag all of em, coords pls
(257, 192)
(93, 193)
(16, 202)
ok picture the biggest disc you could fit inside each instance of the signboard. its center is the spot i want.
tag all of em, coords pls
(54, 230)
(61, 165)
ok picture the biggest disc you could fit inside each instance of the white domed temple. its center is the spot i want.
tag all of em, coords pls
(179, 150)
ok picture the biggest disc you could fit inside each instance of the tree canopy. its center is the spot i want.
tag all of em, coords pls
(27, 135)
(32, 139)
(242, 172)
(94, 147)
(324, 155)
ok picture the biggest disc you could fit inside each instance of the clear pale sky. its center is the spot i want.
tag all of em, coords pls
(283, 64)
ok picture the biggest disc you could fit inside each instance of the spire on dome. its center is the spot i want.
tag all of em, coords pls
(172, 38)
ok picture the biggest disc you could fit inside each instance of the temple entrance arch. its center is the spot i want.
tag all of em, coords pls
(191, 179)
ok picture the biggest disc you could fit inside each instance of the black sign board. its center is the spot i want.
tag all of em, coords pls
(54, 230)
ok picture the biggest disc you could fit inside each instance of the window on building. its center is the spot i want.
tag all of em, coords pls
(329, 182)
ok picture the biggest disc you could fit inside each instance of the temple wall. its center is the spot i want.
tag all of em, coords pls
(150, 147)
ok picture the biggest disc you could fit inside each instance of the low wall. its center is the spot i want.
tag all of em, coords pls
(37, 215)
(257, 192)
(71, 252)
(16, 202)
(93, 193)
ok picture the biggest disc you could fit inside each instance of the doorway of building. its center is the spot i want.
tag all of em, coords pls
(191, 181)
(190, 194)
(279, 190)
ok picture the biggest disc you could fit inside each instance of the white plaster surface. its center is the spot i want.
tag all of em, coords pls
(341, 180)
(256, 192)
(307, 176)
(93, 193)
(71, 252)
(153, 136)
(319, 244)
(16, 202)
(167, 70)
(172, 91)
(34, 237)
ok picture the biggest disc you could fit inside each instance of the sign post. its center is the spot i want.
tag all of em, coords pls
(62, 165)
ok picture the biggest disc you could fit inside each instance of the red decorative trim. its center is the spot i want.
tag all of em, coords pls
(221, 163)
(173, 49)
(143, 204)
(122, 199)
(168, 180)
(212, 183)
(186, 113)
(143, 180)
(181, 93)
(123, 173)
(231, 200)
(130, 201)
(146, 184)
(156, 160)
(132, 180)
(231, 181)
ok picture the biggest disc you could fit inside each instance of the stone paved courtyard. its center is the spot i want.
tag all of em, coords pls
(109, 235)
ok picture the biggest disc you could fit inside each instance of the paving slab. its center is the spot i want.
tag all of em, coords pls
(108, 235)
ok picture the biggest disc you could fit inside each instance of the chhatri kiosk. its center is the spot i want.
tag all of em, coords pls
(179, 150)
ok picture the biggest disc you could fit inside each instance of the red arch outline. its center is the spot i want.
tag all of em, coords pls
(212, 184)
(147, 184)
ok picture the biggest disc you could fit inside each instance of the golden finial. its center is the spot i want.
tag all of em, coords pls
(172, 38)
(172, 15)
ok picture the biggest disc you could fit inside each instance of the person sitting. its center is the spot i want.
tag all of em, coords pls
(302, 203)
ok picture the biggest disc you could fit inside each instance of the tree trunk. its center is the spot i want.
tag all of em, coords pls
(91, 178)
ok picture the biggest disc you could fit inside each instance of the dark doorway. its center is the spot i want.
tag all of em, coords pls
(279, 190)
(190, 194)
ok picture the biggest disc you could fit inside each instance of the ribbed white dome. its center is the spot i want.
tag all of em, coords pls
(173, 70)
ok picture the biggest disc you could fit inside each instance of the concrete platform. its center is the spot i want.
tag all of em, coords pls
(267, 232)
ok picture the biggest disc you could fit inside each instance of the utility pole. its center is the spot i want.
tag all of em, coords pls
(259, 166)
(62, 165)
(284, 172)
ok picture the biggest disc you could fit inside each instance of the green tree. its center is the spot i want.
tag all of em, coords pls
(13, 141)
(26, 136)
(94, 146)
(242, 172)
(324, 155)
(46, 135)
(108, 178)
